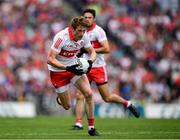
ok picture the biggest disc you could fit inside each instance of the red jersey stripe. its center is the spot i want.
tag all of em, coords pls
(96, 44)
(68, 53)
(92, 27)
(58, 42)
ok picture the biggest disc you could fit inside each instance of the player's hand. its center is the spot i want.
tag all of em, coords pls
(75, 69)
(82, 51)
(90, 65)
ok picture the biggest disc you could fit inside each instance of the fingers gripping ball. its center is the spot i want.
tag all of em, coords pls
(83, 64)
(75, 69)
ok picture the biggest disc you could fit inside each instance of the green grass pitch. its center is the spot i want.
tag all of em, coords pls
(58, 127)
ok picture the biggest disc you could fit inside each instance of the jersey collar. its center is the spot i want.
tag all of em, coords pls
(71, 36)
(92, 27)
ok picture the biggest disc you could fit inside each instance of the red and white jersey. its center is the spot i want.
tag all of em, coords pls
(67, 48)
(96, 35)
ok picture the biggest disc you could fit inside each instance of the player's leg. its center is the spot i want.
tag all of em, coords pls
(83, 85)
(64, 99)
(61, 81)
(79, 110)
(107, 97)
(99, 75)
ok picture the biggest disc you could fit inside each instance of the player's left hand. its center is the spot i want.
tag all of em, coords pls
(82, 51)
(90, 66)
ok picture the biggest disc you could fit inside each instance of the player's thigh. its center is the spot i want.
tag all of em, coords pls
(98, 75)
(65, 98)
(104, 90)
(83, 85)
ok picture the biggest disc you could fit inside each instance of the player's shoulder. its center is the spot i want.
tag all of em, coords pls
(97, 27)
(85, 36)
(98, 30)
(61, 34)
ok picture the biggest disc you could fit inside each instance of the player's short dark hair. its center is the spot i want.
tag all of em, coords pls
(79, 21)
(92, 11)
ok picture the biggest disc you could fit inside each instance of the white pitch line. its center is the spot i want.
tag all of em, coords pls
(84, 133)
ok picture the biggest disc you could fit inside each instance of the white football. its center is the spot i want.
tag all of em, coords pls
(83, 63)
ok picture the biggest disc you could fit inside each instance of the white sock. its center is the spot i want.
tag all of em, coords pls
(129, 103)
(78, 124)
(90, 127)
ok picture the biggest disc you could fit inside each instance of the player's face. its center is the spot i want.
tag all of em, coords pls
(90, 18)
(79, 32)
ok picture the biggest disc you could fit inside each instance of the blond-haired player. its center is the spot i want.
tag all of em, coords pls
(64, 69)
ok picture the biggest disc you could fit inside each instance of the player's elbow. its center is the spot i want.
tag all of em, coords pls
(49, 60)
(107, 50)
(105, 46)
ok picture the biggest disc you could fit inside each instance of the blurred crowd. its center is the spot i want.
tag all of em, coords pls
(146, 57)
(144, 63)
(26, 31)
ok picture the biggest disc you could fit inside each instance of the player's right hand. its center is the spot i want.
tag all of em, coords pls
(75, 69)
(90, 66)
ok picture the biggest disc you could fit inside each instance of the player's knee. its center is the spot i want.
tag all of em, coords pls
(80, 97)
(107, 99)
(88, 94)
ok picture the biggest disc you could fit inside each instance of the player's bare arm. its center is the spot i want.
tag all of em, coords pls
(51, 59)
(104, 47)
(92, 53)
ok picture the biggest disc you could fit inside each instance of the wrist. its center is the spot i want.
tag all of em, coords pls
(91, 61)
(66, 67)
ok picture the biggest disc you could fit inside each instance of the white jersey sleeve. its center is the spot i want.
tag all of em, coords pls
(57, 43)
(97, 35)
(87, 42)
(101, 35)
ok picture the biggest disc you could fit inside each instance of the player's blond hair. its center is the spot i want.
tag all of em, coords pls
(79, 21)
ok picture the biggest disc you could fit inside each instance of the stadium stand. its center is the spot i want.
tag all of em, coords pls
(144, 63)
